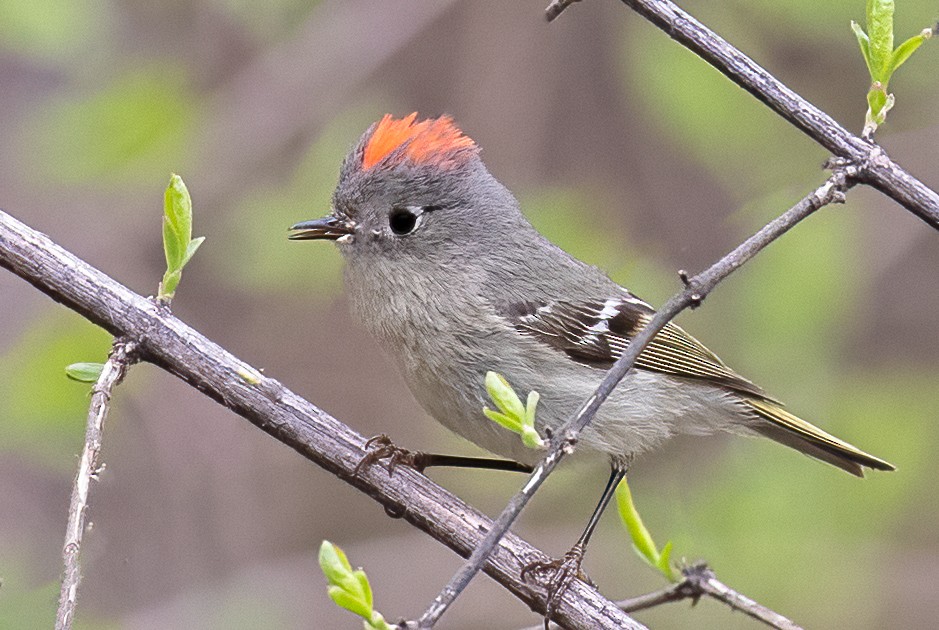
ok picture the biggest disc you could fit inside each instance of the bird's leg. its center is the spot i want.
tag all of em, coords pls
(563, 571)
(381, 447)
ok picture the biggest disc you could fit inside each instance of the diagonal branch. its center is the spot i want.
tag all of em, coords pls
(565, 439)
(169, 343)
(881, 172)
(123, 355)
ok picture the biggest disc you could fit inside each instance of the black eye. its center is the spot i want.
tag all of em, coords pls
(402, 221)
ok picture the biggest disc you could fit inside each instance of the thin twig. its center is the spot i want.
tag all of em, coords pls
(565, 439)
(123, 355)
(699, 581)
(671, 593)
(704, 579)
(172, 345)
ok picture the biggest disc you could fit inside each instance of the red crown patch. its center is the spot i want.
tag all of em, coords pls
(431, 141)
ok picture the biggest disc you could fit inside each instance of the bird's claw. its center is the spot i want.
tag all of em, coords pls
(557, 575)
(381, 447)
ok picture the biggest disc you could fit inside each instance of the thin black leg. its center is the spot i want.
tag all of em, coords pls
(426, 460)
(616, 475)
(381, 447)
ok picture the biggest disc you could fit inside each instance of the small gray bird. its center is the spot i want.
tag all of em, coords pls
(447, 273)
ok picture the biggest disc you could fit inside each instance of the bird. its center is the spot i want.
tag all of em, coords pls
(443, 268)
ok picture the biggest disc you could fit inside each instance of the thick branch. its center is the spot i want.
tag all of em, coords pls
(122, 357)
(566, 438)
(880, 171)
(168, 342)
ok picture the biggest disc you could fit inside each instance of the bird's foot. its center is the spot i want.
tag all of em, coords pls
(557, 575)
(381, 447)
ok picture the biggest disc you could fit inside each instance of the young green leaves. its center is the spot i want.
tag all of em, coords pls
(642, 539)
(512, 414)
(349, 588)
(179, 247)
(178, 244)
(882, 58)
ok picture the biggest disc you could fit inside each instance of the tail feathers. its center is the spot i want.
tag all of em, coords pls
(795, 432)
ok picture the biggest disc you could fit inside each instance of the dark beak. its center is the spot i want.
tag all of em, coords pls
(328, 228)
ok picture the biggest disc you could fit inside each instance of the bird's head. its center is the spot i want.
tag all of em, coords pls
(413, 190)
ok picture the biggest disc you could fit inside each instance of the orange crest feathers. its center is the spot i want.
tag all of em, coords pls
(432, 141)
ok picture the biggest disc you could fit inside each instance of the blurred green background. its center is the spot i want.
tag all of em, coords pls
(623, 147)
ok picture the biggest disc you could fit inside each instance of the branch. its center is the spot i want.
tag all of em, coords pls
(565, 439)
(123, 355)
(172, 345)
(880, 172)
(699, 581)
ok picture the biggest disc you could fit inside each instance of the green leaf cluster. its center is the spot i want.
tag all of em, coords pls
(348, 587)
(512, 414)
(178, 244)
(642, 540)
(882, 58)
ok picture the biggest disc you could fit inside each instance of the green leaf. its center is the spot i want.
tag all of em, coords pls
(865, 43)
(364, 587)
(191, 249)
(171, 245)
(169, 284)
(531, 438)
(641, 538)
(178, 244)
(510, 423)
(642, 541)
(878, 104)
(84, 372)
(349, 601)
(177, 222)
(876, 100)
(665, 564)
(333, 562)
(907, 48)
(348, 588)
(513, 415)
(880, 31)
(504, 396)
(531, 405)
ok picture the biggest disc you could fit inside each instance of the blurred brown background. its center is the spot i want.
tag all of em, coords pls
(624, 148)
